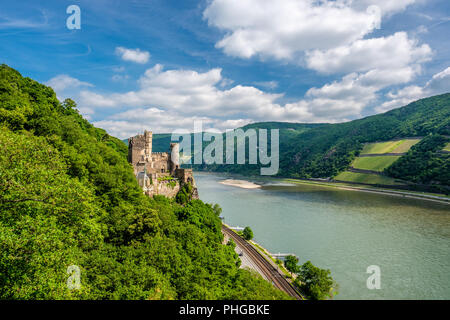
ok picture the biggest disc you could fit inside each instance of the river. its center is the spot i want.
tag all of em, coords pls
(345, 231)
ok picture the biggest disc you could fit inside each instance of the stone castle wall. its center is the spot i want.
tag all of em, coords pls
(154, 170)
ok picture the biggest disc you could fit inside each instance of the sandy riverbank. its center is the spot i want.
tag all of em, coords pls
(240, 183)
(397, 193)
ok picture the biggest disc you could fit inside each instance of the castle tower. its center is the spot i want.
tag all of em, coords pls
(140, 151)
(148, 145)
(174, 156)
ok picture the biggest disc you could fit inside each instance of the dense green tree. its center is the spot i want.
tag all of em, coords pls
(316, 283)
(424, 163)
(217, 209)
(247, 233)
(291, 264)
(68, 196)
(185, 194)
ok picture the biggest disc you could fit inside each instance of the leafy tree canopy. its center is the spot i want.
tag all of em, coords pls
(69, 197)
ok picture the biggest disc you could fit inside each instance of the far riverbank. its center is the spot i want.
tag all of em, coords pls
(257, 182)
(392, 192)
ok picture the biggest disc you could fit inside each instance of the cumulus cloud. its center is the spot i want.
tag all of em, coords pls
(128, 123)
(330, 37)
(266, 84)
(66, 86)
(280, 29)
(438, 84)
(172, 99)
(395, 51)
(386, 6)
(134, 55)
(63, 82)
(187, 92)
(284, 29)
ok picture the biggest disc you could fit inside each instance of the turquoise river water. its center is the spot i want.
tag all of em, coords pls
(345, 231)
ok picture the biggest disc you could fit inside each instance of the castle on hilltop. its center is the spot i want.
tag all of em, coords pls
(158, 172)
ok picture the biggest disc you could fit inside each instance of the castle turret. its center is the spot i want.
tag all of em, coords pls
(148, 145)
(174, 156)
(140, 151)
(156, 172)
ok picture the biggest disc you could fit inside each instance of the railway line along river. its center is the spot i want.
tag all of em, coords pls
(344, 231)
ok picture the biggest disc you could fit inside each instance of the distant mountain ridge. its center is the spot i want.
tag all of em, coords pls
(325, 150)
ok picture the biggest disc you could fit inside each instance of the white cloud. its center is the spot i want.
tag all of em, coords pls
(282, 29)
(386, 6)
(134, 55)
(128, 123)
(173, 99)
(438, 84)
(187, 92)
(93, 99)
(348, 97)
(331, 37)
(395, 51)
(285, 29)
(63, 82)
(401, 98)
(226, 82)
(66, 86)
(266, 84)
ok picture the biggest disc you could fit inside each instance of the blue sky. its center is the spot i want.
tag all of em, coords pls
(161, 65)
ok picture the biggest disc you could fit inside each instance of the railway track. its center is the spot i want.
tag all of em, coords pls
(269, 270)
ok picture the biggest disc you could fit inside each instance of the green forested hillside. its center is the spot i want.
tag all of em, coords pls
(288, 130)
(328, 149)
(69, 197)
(325, 151)
(424, 163)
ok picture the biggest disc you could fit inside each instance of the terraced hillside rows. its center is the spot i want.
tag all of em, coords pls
(376, 163)
(396, 146)
(374, 158)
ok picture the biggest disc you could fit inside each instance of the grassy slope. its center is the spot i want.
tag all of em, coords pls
(378, 163)
(406, 145)
(366, 178)
(424, 163)
(398, 146)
